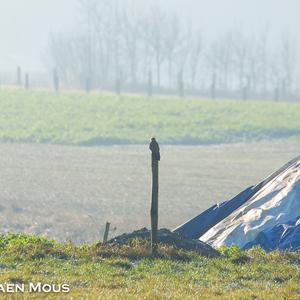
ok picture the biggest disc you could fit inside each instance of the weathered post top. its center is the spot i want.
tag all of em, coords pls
(155, 158)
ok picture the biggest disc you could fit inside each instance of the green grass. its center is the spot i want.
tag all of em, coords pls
(77, 118)
(130, 273)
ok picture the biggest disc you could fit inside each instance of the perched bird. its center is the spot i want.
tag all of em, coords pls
(154, 147)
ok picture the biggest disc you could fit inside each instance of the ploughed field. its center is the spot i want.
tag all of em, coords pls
(69, 192)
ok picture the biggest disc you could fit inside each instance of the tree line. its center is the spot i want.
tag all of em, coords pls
(120, 47)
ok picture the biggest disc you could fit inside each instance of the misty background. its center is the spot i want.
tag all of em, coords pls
(228, 48)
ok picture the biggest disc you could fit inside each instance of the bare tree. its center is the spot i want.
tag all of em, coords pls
(195, 57)
(154, 36)
(172, 42)
(263, 61)
(240, 47)
(120, 46)
(131, 34)
(288, 61)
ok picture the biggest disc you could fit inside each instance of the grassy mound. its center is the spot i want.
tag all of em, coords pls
(166, 237)
(78, 118)
(128, 272)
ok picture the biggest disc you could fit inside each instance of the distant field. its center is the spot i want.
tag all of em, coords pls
(78, 118)
(69, 192)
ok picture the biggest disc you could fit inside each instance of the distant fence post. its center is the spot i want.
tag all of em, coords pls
(87, 84)
(283, 89)
(105, 237)
(213, 87)
(180, 84)
(150, 84)
(118, 86)
(245, 93)
(55, 80)
(26, 81)
(155, 158)
(276, 94)
(19, 76)
(249, 87)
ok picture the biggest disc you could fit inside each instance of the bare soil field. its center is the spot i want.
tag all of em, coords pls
(69, 192)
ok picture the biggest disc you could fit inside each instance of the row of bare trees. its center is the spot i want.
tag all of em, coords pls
(121, 47)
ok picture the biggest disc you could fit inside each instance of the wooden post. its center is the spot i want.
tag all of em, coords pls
(276, 94)
(105, 237)
(155, 158)
(55, 80)
(150, 84)
(87, 84)
(118, 86)
(283, 92)
(245, 93)
(19, 76)
(213, 87)
(248, 87)
(27, 81)
(180, 84)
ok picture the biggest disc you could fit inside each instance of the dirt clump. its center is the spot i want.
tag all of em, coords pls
(167, 237)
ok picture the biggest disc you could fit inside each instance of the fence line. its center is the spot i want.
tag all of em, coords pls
(43, 80)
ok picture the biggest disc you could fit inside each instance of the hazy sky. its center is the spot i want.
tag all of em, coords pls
(25, 25)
